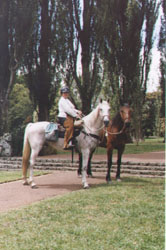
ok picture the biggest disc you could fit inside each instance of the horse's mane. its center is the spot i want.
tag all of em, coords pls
(92, 118)
(117, 120)
(91, 114)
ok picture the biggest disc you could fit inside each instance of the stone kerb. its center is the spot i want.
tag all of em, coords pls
(127, 168)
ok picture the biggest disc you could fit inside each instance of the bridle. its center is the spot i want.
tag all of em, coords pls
(96, 130)
(116, 133)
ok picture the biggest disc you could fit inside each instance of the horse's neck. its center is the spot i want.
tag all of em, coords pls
(93, 122)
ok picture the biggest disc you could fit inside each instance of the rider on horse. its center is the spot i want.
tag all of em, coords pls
(66, 116)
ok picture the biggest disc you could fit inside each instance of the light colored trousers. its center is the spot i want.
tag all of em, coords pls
(69, 126)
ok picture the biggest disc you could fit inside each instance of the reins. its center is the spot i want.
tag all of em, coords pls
(92, 135)
(95, 130)
(116, 133)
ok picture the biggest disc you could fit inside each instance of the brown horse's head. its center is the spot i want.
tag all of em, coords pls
(125, 113)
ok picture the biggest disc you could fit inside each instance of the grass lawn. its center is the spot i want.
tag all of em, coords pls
(7, 176)
(149, 145)
(125, 215)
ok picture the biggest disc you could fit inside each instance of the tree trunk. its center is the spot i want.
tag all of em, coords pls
(43, 75)
(4, 61)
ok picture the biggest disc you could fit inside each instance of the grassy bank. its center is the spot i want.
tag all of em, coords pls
(126, 215)
(7, 176)
(148, 145)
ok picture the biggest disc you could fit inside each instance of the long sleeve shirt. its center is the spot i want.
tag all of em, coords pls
(65, 107)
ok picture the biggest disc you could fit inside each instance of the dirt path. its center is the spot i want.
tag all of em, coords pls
(14, 195)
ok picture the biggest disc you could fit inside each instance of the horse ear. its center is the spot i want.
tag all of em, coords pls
(101, 100)
(108, 100)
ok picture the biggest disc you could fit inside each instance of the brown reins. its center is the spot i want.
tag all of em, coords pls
(116, 133)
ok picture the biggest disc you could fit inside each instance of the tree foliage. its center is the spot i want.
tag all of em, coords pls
(151, 114)
(20, 112)
(93, 46)
(46, 54)
(162, 48)
(128, 37)
(16, 19)
(84, 64)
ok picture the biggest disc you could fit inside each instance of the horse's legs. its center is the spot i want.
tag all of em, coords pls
(109, 164)
(79, 172)
(25, 160)
(89, 170)
(24, 171)
(85, 157)
(120, 152)
(33, 157)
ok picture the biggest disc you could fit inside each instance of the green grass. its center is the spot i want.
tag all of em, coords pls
(149, 145)
(6, 176)
(125, 215)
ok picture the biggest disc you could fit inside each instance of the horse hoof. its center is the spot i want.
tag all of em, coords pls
(90, 176)
(25, 183)
(109, 182)
(86, 186)
(33, 185)
(79, 176)
(119, 180)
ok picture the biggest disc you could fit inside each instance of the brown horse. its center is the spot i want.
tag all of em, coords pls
(117, 136)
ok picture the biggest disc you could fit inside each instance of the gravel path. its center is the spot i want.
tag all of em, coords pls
(14, 195)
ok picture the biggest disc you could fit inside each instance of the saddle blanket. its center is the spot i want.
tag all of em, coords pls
(52, 132)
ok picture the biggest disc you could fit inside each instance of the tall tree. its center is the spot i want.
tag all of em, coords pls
(4, 59)
(128, 36)
(84, 51)
(16, 19)
(46, 53)
(162, 48)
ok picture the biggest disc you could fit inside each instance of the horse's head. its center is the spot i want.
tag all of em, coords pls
(104, 111)
(125, 113)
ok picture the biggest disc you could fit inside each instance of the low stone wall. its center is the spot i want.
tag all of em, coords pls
(127, 168)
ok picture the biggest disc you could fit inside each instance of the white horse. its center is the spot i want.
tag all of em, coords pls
(86, 141)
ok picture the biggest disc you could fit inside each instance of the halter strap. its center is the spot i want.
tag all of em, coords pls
(92, 135)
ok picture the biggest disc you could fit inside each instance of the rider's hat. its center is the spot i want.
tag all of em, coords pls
(64, 89)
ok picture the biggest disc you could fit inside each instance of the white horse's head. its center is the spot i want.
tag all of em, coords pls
(104, 111)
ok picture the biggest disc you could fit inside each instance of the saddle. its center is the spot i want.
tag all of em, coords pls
(54, 131)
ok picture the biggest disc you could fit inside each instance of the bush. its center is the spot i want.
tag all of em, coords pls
(20, 113)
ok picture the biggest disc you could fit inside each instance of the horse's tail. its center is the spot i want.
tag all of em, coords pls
(26, 154)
